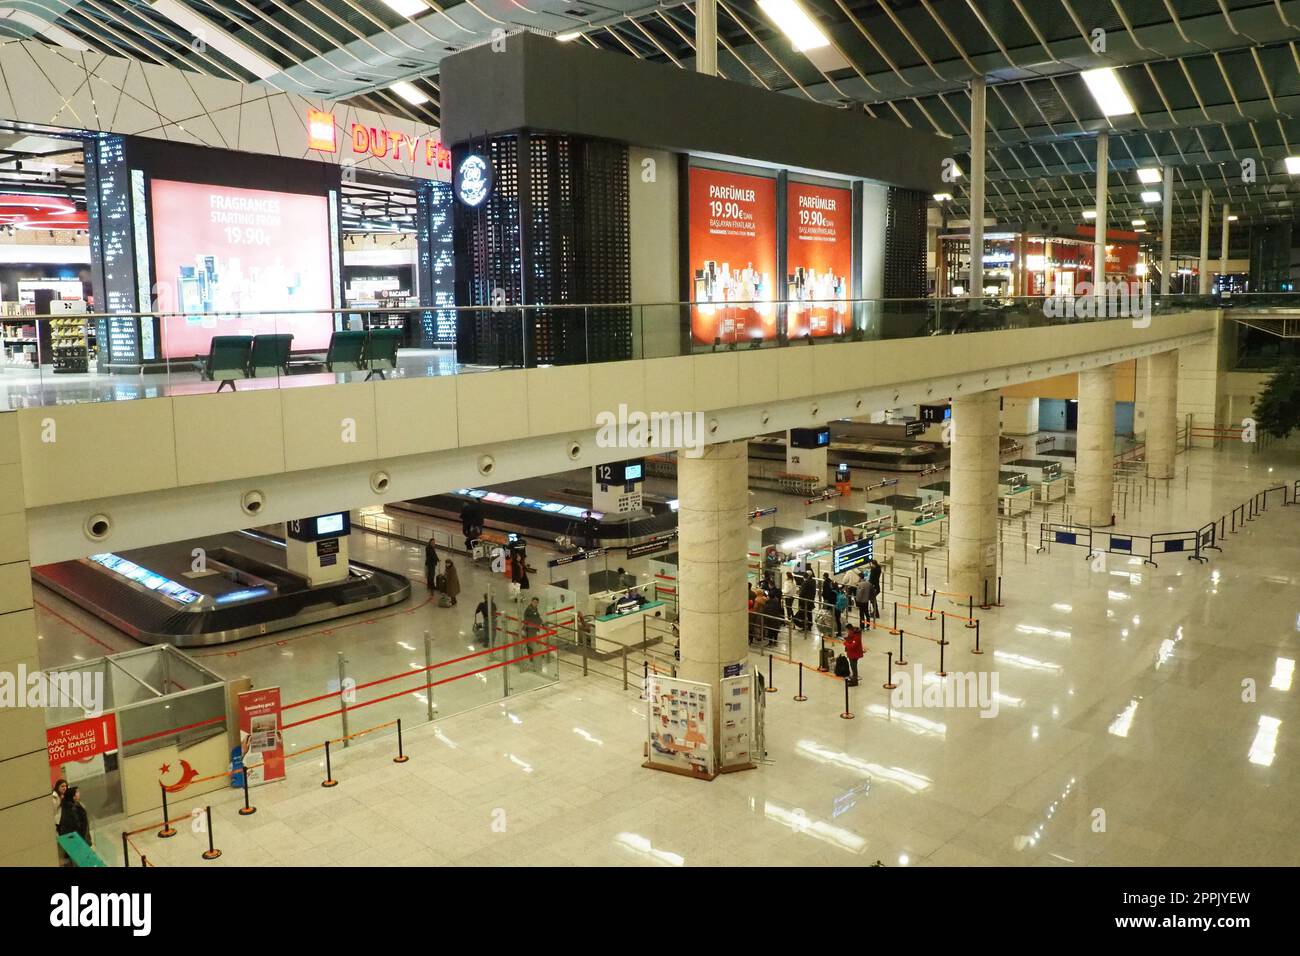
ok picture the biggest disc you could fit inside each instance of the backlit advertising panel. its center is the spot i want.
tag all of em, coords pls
(220, 251)
(732, 256)
(819, 258)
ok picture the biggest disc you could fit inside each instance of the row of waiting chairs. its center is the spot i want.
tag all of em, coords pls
(232, 357)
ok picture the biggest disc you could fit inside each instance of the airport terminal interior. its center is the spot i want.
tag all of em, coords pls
(766, 433)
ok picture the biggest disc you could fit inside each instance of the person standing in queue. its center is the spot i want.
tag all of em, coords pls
(807, 593)
(451, 586)
(853, 651)
(862, 598)
(876, 576)
(841, 605)
(533, 625)
(74, 818)
(56, 798)
(828, 592)
(430, 564)
(788, 593)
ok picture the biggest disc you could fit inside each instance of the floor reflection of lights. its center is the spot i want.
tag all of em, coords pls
(1006, 700)
(799, 821)
(913, 722)
(1124, 719)
(1282, 673)
(1028, 663)
(1264, 747)
(1043, 631)
(906, 779)
(636, 843)
(1029, 840)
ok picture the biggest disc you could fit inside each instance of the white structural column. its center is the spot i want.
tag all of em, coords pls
(978, 94)
(712, 523)
(1223, 244)
(1204, 266)
(973, 511)
(26, 826)
(706, 37)
(1093, 477)
(1162, 414)
(1167, 231)
(1099, 243)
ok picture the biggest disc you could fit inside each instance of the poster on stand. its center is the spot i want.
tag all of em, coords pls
(261, 741)
(736, 722)
(819, 258)
(680, 723)
(732, 256)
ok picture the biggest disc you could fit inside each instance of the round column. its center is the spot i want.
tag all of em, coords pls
(973, 497)
(1094, 477)
(1162, 414)
(712, 523)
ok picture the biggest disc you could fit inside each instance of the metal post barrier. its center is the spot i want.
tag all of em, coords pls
(909, 596)
(507, 667)
(999, 604)
(902, 662)
(645, 673)
(894, 629)
(848, 714)
(126, 850)
(942, 645)
(329, 780)
(401, 756)
(933, 595)
(211, 853)
(970, 607)
(246, 809)
(985, 605)
(925, 581)
(889, 681)
(167, 829)
(800, 696)
(943, 629)
(343, 697)
(771, 688)
(428, 670)
(977, 639)
(821, 654)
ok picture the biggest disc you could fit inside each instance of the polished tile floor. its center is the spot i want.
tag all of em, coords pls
(1125, 732)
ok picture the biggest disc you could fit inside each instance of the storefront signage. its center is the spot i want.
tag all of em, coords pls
(473, 179)
(376, 141)
(81, 740)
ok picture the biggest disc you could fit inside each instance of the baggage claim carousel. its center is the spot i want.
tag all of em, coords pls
(155, 595)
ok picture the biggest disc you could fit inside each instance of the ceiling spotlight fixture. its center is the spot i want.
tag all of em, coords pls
(1150, 196)
(1108, 91)
(1148, 176)
(1293, 165)
(943, 197)
(1090, 214)
(1232, 219)
(566, 37)
(408, 92)
(795, 23)
(1139, 222)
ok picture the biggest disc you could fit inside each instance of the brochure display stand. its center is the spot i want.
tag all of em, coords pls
(736, 722)
(680, 723)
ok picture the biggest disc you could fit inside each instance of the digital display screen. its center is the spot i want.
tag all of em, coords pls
(221, 252)
(732, 254)
(571, 511)
(819, 258)
(632, 473)
(852, 555)
(244, 595)
(329, 524)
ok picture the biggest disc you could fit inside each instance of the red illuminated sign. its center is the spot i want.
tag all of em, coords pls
(320, 131)
(80, 740)
(391, 144)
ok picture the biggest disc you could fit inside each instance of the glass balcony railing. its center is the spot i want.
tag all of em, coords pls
(91, 357)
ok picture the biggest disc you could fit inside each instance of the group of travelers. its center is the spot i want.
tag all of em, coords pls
(772, 606)
(69, 814)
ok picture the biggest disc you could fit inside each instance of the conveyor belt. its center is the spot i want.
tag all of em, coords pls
(151, 619)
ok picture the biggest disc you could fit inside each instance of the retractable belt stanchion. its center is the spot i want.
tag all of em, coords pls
(126, 850)
(848, 714)
(246, 809)
(401, 757)
(771, 688)
(800, 696)
(985, 605)
(211, 853)
(942, 645)
(167, 829)
(901, 661)
(970, 606)
(977, 639)
(329, 780)
(925, 581)
(933, 595)
(894, 629)
(943, 629)
(889, 663)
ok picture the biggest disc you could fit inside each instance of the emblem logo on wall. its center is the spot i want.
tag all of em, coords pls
(473, 179)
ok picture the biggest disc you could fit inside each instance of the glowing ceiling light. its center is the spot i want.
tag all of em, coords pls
(1149, 175)
(1293, 165)
(566, 37)
(1108, 91)
(795, 23)
(408, 92)
(407, 8)
(1150, 196)
(943, 197)
(1090, 214)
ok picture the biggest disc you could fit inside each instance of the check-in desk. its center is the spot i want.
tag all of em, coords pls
(628, 627)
